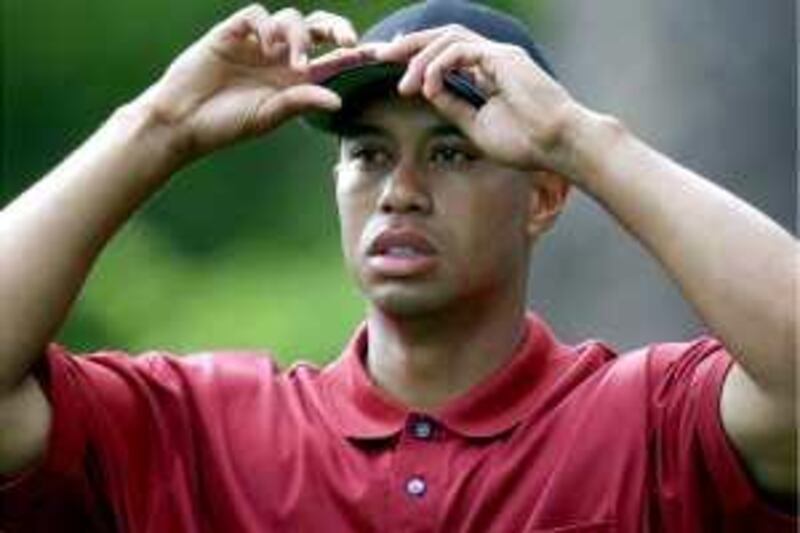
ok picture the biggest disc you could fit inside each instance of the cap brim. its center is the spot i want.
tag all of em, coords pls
(354, 85)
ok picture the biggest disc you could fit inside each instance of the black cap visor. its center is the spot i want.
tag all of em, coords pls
(357, 85)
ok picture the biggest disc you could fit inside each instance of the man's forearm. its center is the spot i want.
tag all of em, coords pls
(51, 235)
(735, 266)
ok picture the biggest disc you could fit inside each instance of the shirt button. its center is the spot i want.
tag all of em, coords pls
(422, 429)
(416, 487)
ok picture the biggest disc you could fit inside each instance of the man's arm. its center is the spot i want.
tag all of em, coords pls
(737, 267)
(244, 78)
(49, 238)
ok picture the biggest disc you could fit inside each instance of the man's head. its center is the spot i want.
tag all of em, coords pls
(428, 220)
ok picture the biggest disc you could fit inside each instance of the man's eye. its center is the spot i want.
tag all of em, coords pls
(452, 156)
(370, 156)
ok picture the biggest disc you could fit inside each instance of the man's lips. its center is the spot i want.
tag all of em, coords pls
(400, 242)
(401, 253)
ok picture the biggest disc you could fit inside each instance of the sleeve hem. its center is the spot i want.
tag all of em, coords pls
(738, 492)
(22, 492)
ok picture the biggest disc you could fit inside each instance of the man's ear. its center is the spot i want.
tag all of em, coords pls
(548, 195)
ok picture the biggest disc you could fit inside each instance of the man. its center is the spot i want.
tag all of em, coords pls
(452, 409)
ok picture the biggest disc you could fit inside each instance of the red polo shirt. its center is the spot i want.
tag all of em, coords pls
(560, 439)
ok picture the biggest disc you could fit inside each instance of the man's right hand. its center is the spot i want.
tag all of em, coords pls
(246, 76)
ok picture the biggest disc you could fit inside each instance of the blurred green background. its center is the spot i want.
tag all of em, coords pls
(241, 249)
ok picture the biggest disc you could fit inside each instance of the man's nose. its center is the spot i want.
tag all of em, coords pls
(406, 191)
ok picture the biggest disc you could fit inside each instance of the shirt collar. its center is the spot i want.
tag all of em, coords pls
(359, 409)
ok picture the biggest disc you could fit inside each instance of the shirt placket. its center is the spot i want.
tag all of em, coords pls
(417, 485)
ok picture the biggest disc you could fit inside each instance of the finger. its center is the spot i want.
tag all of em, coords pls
(252, 20)
(484, 79)
(327, 65)
(413, 77)
(403, 48)
(457, 56)
(237, 27)
(236, 21)
(293, 101)
(328, 27)
(291, 27)
(455, 109)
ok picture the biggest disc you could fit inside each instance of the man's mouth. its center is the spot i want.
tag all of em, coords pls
(401, 253)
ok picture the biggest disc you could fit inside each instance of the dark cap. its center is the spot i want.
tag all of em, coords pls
(356, 84)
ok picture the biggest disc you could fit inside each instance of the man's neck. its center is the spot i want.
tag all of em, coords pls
(426, 361)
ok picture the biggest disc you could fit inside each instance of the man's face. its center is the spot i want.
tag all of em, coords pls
(427, 221)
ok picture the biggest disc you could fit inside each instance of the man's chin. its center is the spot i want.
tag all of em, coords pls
(407, 301)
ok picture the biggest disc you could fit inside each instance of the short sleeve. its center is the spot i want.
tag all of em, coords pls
(123, 437)
(700, 482)
(105, 410)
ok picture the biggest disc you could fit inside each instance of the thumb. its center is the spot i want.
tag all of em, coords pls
(295, 100)
(455, 109)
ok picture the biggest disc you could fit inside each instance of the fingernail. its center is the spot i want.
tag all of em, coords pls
(403, 85)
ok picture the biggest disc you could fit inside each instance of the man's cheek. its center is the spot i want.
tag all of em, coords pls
(352, 227)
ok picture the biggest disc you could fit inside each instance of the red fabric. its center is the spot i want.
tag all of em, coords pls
(560, 439)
